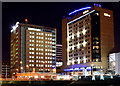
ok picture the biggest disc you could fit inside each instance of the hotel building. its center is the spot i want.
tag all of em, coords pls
(33, 48)
(87, 38)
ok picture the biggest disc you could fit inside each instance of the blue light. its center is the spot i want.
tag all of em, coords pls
(79, 10)
(80, 17)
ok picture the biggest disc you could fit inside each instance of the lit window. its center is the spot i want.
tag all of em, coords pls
(37, 33)
(46, 34)
(32, 64)
(37, 65)
(84, 31)
(37, 37)
(32, 48)
(106, 14)
(78, 34)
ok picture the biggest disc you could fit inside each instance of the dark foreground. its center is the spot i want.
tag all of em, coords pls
(63, 83)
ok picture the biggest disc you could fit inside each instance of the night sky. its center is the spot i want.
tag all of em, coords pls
(48, 14)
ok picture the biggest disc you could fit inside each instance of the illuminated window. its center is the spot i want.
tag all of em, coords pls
(32, 40)
(37, 33)
(32, 64)
(106, 14)
(37, 57)
(36, 60)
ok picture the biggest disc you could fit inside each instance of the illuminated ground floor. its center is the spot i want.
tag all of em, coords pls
(41, 76)
(90, 70)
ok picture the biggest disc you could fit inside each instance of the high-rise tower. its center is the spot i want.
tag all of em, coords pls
(87, 38)
(32, 48)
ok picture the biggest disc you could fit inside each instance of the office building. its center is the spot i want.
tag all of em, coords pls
(87, 38)
(59, 62)
(33, 48)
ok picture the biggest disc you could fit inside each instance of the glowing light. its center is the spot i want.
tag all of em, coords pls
(36, 76)
(20, 62)
(72, 61)
(15, 26)
(93, 77)
(27, 66)
(68, 63)
(16, 69)
(85, 11)
(80, 17)
(76, 69)
(84, 59)
(101, 77)
(78, 34)
(34, 29)
(73, 47)
(78, 46)
(26, 20)
(84, 43)
(21, 68)
(72, 36)
(78, 60)
(84, 31)
(42, 76)
(79, 10)
(106, 14)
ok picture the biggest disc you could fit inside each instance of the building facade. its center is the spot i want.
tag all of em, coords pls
(59, 61)
(114, 63)
(6, 69)
(87, 38)
(33, 48)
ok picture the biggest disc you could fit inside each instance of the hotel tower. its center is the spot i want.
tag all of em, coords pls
(33, 48)
(87, 39)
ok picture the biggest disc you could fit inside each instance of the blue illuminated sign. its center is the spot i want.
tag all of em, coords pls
(80, 17)
(79, 10)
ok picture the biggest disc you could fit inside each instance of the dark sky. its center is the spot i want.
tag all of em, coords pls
(47, 14)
